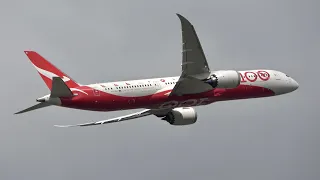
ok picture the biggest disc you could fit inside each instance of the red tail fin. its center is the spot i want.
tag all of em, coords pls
(47, 70)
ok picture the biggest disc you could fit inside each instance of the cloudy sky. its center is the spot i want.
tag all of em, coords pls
(100, 41)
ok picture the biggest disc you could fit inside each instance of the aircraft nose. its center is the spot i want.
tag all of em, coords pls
(287, 85)
(294, 84)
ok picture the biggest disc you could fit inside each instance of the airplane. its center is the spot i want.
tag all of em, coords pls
(171, 99)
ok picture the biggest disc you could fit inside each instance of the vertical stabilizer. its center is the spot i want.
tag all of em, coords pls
(47, 70)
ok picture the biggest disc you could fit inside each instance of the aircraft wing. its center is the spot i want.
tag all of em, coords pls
(143, 113)
(195, 67)
(189, 85)
(194, 62)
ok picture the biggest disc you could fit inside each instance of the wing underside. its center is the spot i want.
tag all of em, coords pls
(195, 67)
(194, 62)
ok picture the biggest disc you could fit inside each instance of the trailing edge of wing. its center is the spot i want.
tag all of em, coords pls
(143, 113)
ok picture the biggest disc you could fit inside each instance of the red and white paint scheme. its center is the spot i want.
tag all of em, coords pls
(170, 98)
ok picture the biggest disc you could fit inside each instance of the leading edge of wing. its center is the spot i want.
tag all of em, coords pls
(143, 113)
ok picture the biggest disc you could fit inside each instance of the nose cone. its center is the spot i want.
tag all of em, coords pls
(294, 85)
(285, 86)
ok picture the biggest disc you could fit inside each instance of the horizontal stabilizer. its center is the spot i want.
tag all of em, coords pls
(59, 88)
(37, 106)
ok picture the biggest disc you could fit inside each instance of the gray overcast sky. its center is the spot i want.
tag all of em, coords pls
(99, 41)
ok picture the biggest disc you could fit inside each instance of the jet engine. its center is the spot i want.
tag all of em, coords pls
(224, 79)
(181, 116)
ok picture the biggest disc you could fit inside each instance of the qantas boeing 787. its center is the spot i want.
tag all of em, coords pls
(170, 98)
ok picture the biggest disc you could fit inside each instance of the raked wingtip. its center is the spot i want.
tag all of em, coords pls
(64, 126)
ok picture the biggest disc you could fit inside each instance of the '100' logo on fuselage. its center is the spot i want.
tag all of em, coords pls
(253, 76)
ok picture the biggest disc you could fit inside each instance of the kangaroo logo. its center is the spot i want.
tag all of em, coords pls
(50, 75)
(65, 79)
